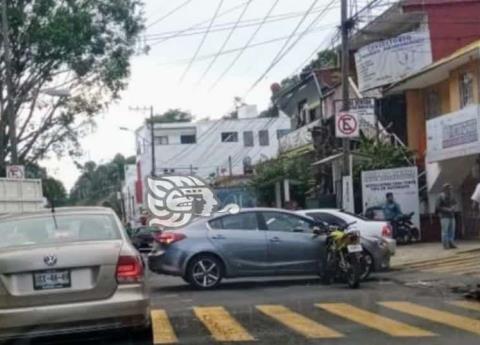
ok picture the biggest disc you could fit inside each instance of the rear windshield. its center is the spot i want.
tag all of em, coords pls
(61, 229)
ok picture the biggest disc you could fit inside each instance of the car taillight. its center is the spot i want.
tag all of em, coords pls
(129, 269)
(157, 235)
(387, 231)
(168, 238)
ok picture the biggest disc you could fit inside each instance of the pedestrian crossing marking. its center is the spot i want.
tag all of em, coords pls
(443, 317)
(467, 305)
(454, 266)
(298, 322)
(460, 257)
(375, 321)
(222, 326)
(162, 329)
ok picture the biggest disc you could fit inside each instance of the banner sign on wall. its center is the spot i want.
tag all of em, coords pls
(385, 62)
(348, 202)
(402, 182)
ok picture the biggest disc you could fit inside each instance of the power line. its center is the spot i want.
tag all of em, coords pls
(227, 39)
(228, 25)
(232, 9)
(250, 40)
(168, 14)
(284, 51)
(220, 3)
(234, 50)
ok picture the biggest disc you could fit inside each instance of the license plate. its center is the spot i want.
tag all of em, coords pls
(55, 279)
(354, 248)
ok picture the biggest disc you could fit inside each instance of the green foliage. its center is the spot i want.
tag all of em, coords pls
(297, 169)
(325, 59)
(173, 115)
(381, 155)
(54, 191)
(98, 184)
(83, 47)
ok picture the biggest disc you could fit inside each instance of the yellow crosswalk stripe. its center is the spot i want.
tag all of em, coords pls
(375, 321)
(443, 317)
(453, 267)
(442, 261)
(162, 329)
(221, 324)
(297, 322)
(467, 305)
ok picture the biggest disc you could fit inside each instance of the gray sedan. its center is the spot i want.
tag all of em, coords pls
(254, 242)
(69, 271)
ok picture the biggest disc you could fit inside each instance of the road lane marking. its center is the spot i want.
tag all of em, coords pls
(221, 324)
(441, 261)
(297, 322)
(453, 267)
(443, 317)
(467, 304)
(375, 321)
(162, 329)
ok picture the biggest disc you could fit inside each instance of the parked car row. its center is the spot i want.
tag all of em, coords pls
(82, 262)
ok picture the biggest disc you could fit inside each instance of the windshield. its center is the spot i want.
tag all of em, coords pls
(61, 229)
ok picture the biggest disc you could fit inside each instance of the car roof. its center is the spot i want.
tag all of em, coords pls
(58, 211)
(320, 210)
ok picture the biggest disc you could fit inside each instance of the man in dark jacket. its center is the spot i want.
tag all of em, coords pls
(445, 209)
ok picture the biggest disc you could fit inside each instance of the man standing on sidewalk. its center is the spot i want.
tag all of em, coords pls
(445, 208)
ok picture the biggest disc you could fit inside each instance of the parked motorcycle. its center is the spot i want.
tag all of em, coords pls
(343, 257)
(404, 231)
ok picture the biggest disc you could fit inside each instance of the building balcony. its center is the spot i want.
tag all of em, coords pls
(299, 138)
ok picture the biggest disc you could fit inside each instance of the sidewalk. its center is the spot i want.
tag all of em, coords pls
(415, 253)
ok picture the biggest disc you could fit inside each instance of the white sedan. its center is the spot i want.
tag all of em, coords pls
(367, 227)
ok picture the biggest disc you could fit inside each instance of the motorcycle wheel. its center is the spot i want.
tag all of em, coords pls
(415, 235)
(353, 272)
(328, 272)
(366, 263)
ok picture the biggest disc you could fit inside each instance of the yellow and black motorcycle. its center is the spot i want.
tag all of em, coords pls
(343, 255)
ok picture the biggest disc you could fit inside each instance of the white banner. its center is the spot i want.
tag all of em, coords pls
(454, 135)
(385, 62)
(402, 182)
(16, 172)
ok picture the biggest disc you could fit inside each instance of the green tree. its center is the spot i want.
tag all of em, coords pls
(54, 191)
(83, 47)
(173, 115)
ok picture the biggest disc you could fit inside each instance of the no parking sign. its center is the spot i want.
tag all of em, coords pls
(347, 125)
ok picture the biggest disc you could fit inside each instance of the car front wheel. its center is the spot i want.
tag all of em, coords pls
(205, 272)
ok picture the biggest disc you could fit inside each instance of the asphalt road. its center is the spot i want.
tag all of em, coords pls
(298, 311)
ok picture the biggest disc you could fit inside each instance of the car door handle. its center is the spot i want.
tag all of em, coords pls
(218, 237)
(275, 239)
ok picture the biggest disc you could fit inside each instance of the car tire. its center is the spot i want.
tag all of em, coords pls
(205, 272)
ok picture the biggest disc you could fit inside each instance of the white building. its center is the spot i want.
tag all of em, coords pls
(210, 148)
(129, 196)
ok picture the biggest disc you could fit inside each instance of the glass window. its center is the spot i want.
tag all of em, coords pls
(282, 132)
(161, 140)
(263, 138)
(432, 104)
(248, 139)
(188, 139)
(241, 221)
(229, 137)
(466, 89)
(61, 229)
(328, 218)
(277, 221)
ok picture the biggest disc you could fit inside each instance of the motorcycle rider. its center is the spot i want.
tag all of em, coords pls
(391, 209)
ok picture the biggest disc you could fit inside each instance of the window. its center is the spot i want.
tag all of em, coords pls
(229, 137)
(282, 133)
(248, 139)
(263, 138)
(241, 221)
(312, 114)
(247, 166)
(188, 139)
(277, 221)
(330, 219)
(161, 140)
(466, 89)
(432, 104)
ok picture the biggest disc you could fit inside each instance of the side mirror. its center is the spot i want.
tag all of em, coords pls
(318, 230)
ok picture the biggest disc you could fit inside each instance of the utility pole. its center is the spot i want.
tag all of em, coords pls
(230, 167)
(10, 92)
(345, 28)
(152, 135)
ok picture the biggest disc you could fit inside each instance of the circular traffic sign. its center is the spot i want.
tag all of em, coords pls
(347, 124)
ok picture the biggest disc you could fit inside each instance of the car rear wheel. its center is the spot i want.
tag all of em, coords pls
(205, 272)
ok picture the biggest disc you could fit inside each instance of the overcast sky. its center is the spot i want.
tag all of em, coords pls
(155, 78)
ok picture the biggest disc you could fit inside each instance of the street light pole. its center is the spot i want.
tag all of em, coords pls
(10, 92)
(152, 140)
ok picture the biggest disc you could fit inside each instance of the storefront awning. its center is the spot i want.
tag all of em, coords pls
(328, 159)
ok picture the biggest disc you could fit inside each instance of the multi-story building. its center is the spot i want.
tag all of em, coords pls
(443, 117)
(209, 149)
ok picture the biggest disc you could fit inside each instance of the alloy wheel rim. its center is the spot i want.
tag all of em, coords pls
(206, 273)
